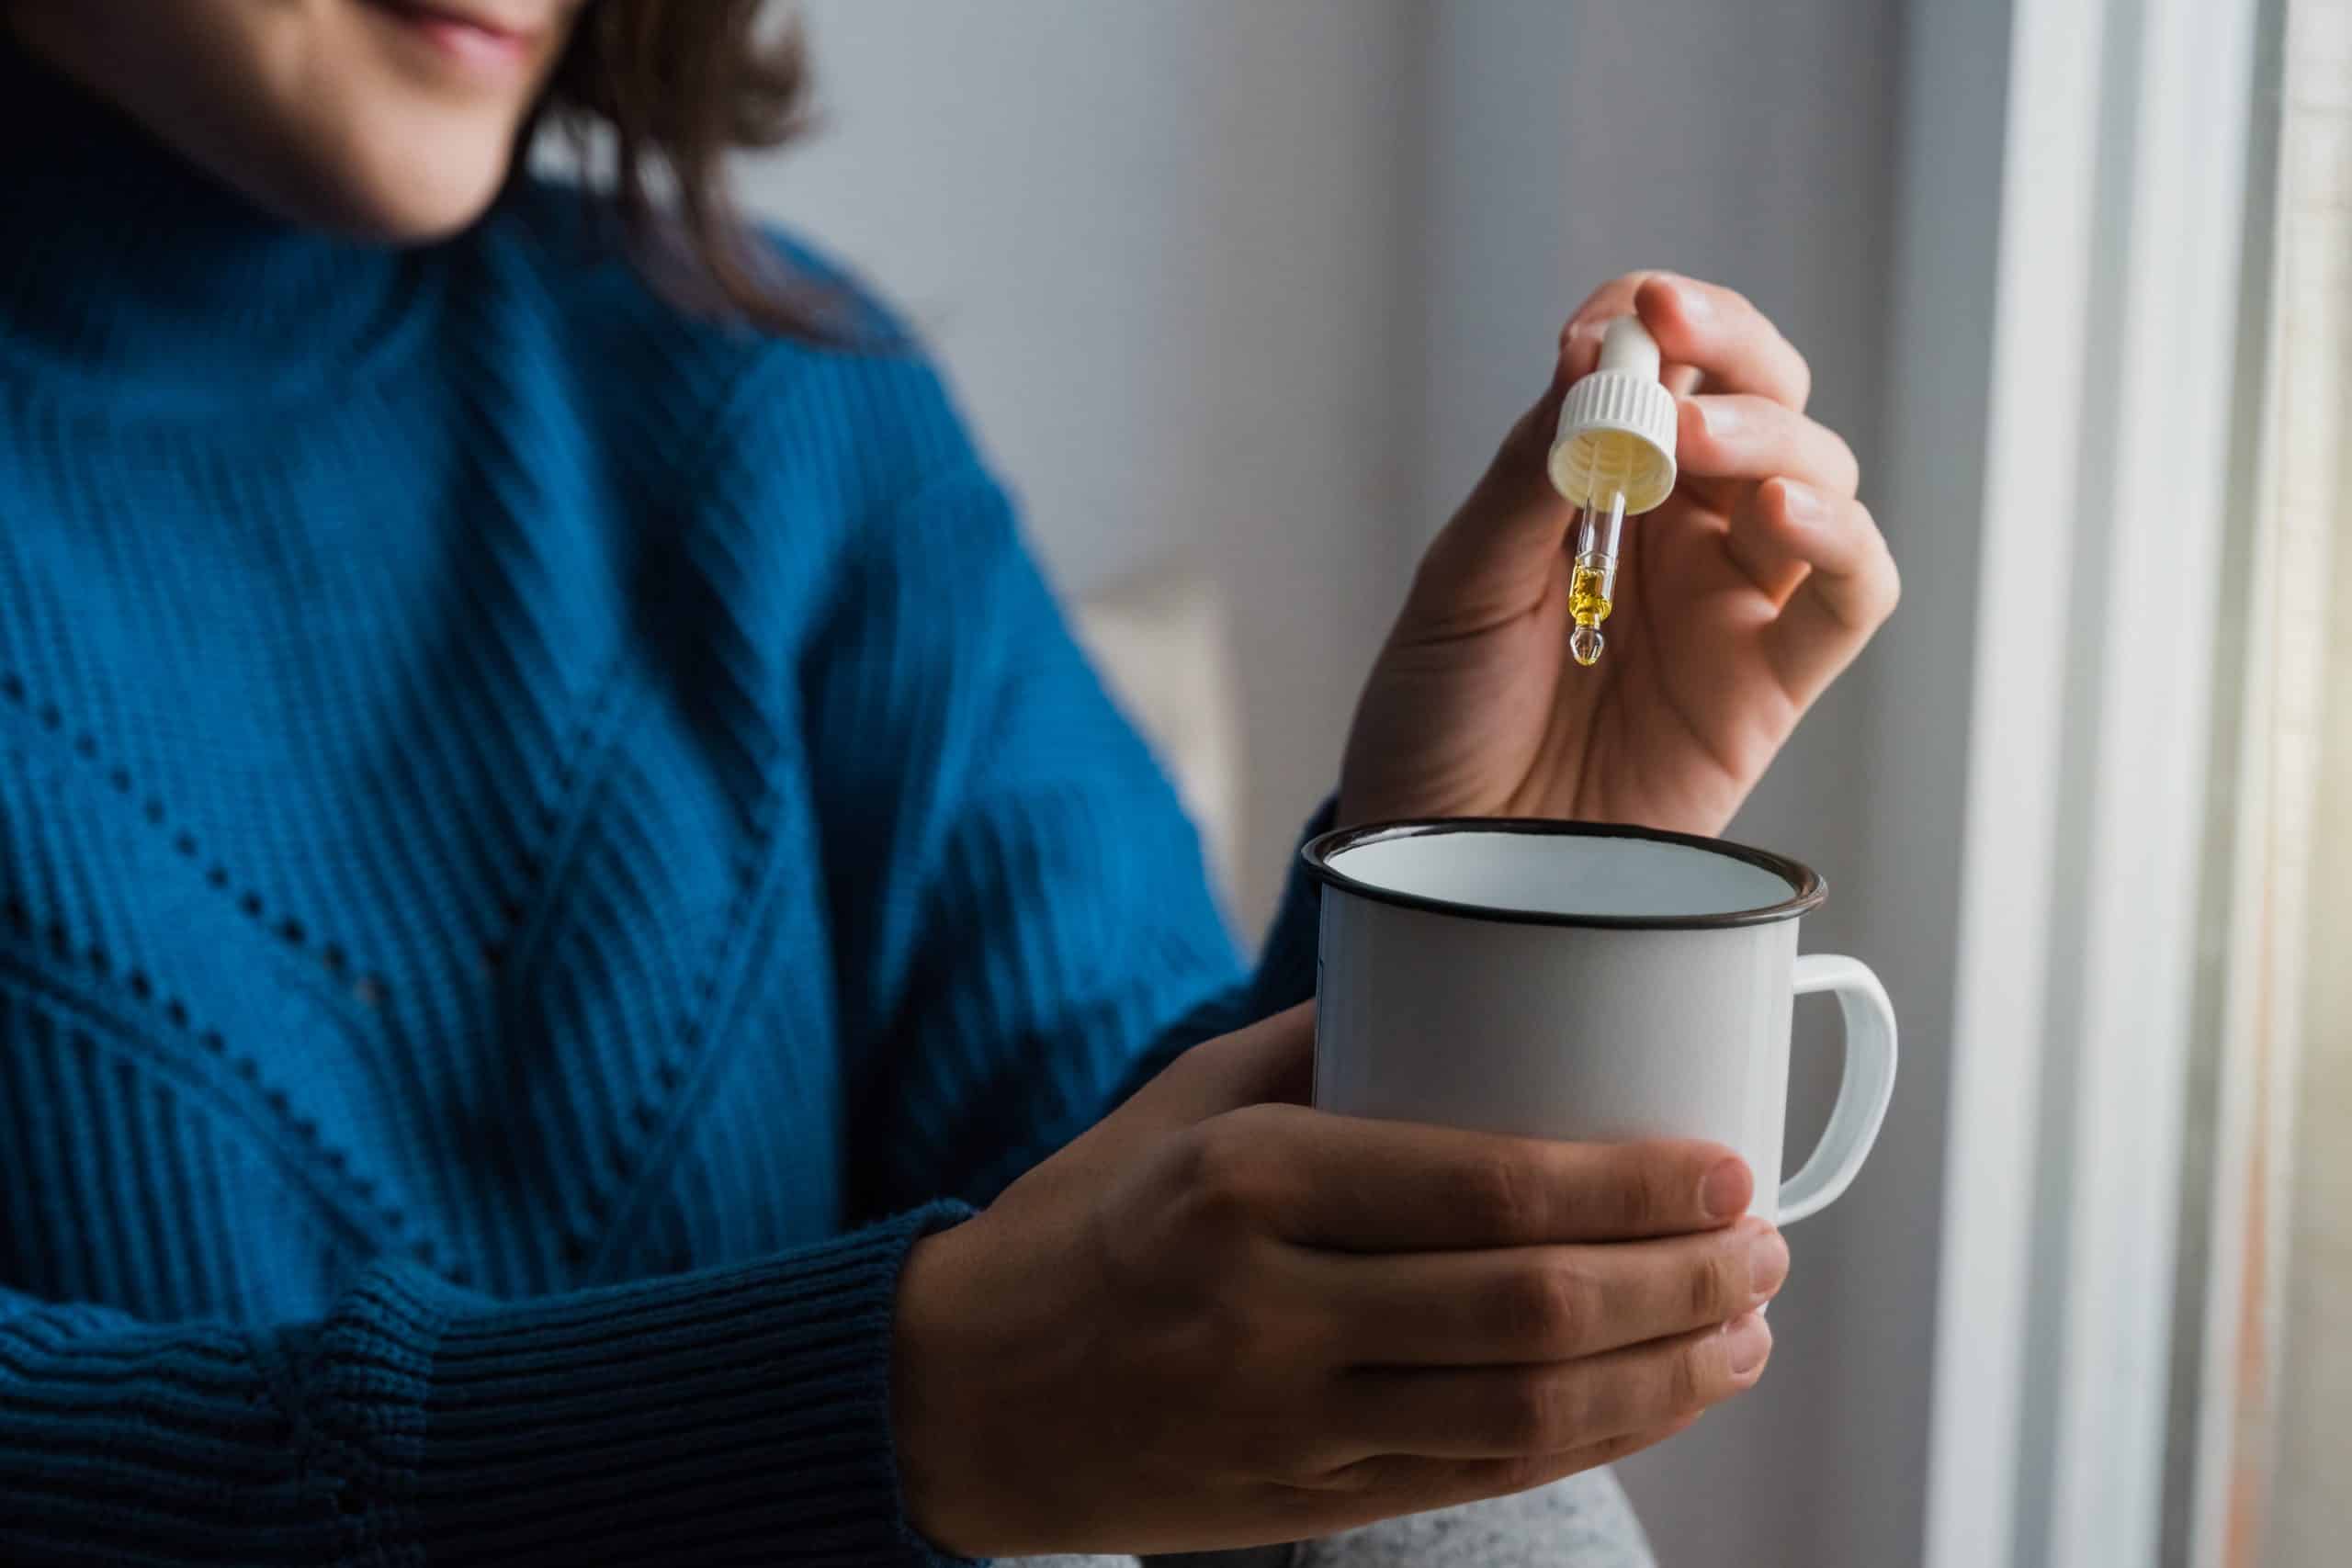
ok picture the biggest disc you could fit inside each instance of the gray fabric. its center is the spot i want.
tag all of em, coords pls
(1582, 1522)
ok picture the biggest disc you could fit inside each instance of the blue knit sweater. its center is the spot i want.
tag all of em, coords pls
(542, 843)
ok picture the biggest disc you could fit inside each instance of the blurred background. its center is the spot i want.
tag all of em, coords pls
(1240, 293)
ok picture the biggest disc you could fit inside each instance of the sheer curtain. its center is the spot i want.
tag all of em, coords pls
(2269, 1419)
(2309, 1516)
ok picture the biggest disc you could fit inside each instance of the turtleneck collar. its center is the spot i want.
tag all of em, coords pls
(132, 279)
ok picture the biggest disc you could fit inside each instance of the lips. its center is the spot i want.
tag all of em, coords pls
(511, 26)
(473, 36)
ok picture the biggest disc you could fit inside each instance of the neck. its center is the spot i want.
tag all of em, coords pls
(131, 275)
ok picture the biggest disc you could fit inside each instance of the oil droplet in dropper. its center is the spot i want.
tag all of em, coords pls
(1590, 605)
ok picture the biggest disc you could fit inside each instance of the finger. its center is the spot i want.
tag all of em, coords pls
(1739, 436)
(1358, 1185)
(1491, 562)
(1272, 1060)
(1514, 1412)
(1404, 1483)
(1733, 342)
(1539, 1303)
(1845, 584)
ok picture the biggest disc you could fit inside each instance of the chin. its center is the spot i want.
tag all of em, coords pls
(413, 216)
(428, 192)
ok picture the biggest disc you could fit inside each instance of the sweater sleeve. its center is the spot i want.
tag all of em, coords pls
(1024, 922)
(733, 1415)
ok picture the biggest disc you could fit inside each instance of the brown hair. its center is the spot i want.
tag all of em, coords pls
(683, 83)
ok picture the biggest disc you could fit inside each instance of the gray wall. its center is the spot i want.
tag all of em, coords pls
(1257, 284)
(1164, 250)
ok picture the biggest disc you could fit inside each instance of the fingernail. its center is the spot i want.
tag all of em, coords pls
(1802, 500)
(1720, 417)
(1725, 1191)
(1767, 1262)
(1746, 1341)
(1592, 328)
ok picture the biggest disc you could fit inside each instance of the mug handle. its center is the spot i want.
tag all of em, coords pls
(1862, 1092)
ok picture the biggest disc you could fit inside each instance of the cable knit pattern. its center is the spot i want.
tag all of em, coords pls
(544, 843)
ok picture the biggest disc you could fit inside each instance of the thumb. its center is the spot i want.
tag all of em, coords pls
(1496, 557)
(1272, 1060)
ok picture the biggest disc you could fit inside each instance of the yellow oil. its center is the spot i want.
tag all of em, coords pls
(1588, 603)
(1589, 596)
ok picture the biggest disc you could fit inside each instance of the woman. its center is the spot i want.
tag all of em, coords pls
(560, 860)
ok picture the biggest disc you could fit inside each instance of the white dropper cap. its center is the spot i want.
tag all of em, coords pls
(1623, 397)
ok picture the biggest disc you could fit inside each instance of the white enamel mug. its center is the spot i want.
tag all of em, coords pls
(1586, 982)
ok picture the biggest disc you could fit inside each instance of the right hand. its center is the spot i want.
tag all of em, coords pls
(1220, 1320)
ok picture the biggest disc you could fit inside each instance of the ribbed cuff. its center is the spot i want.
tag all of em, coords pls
(735, 1414)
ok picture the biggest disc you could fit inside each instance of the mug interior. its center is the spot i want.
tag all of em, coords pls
(1568, 872)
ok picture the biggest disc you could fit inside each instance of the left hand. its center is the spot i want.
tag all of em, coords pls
(1740, 598)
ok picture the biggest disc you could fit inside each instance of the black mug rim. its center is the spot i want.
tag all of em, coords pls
(1806, 887)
